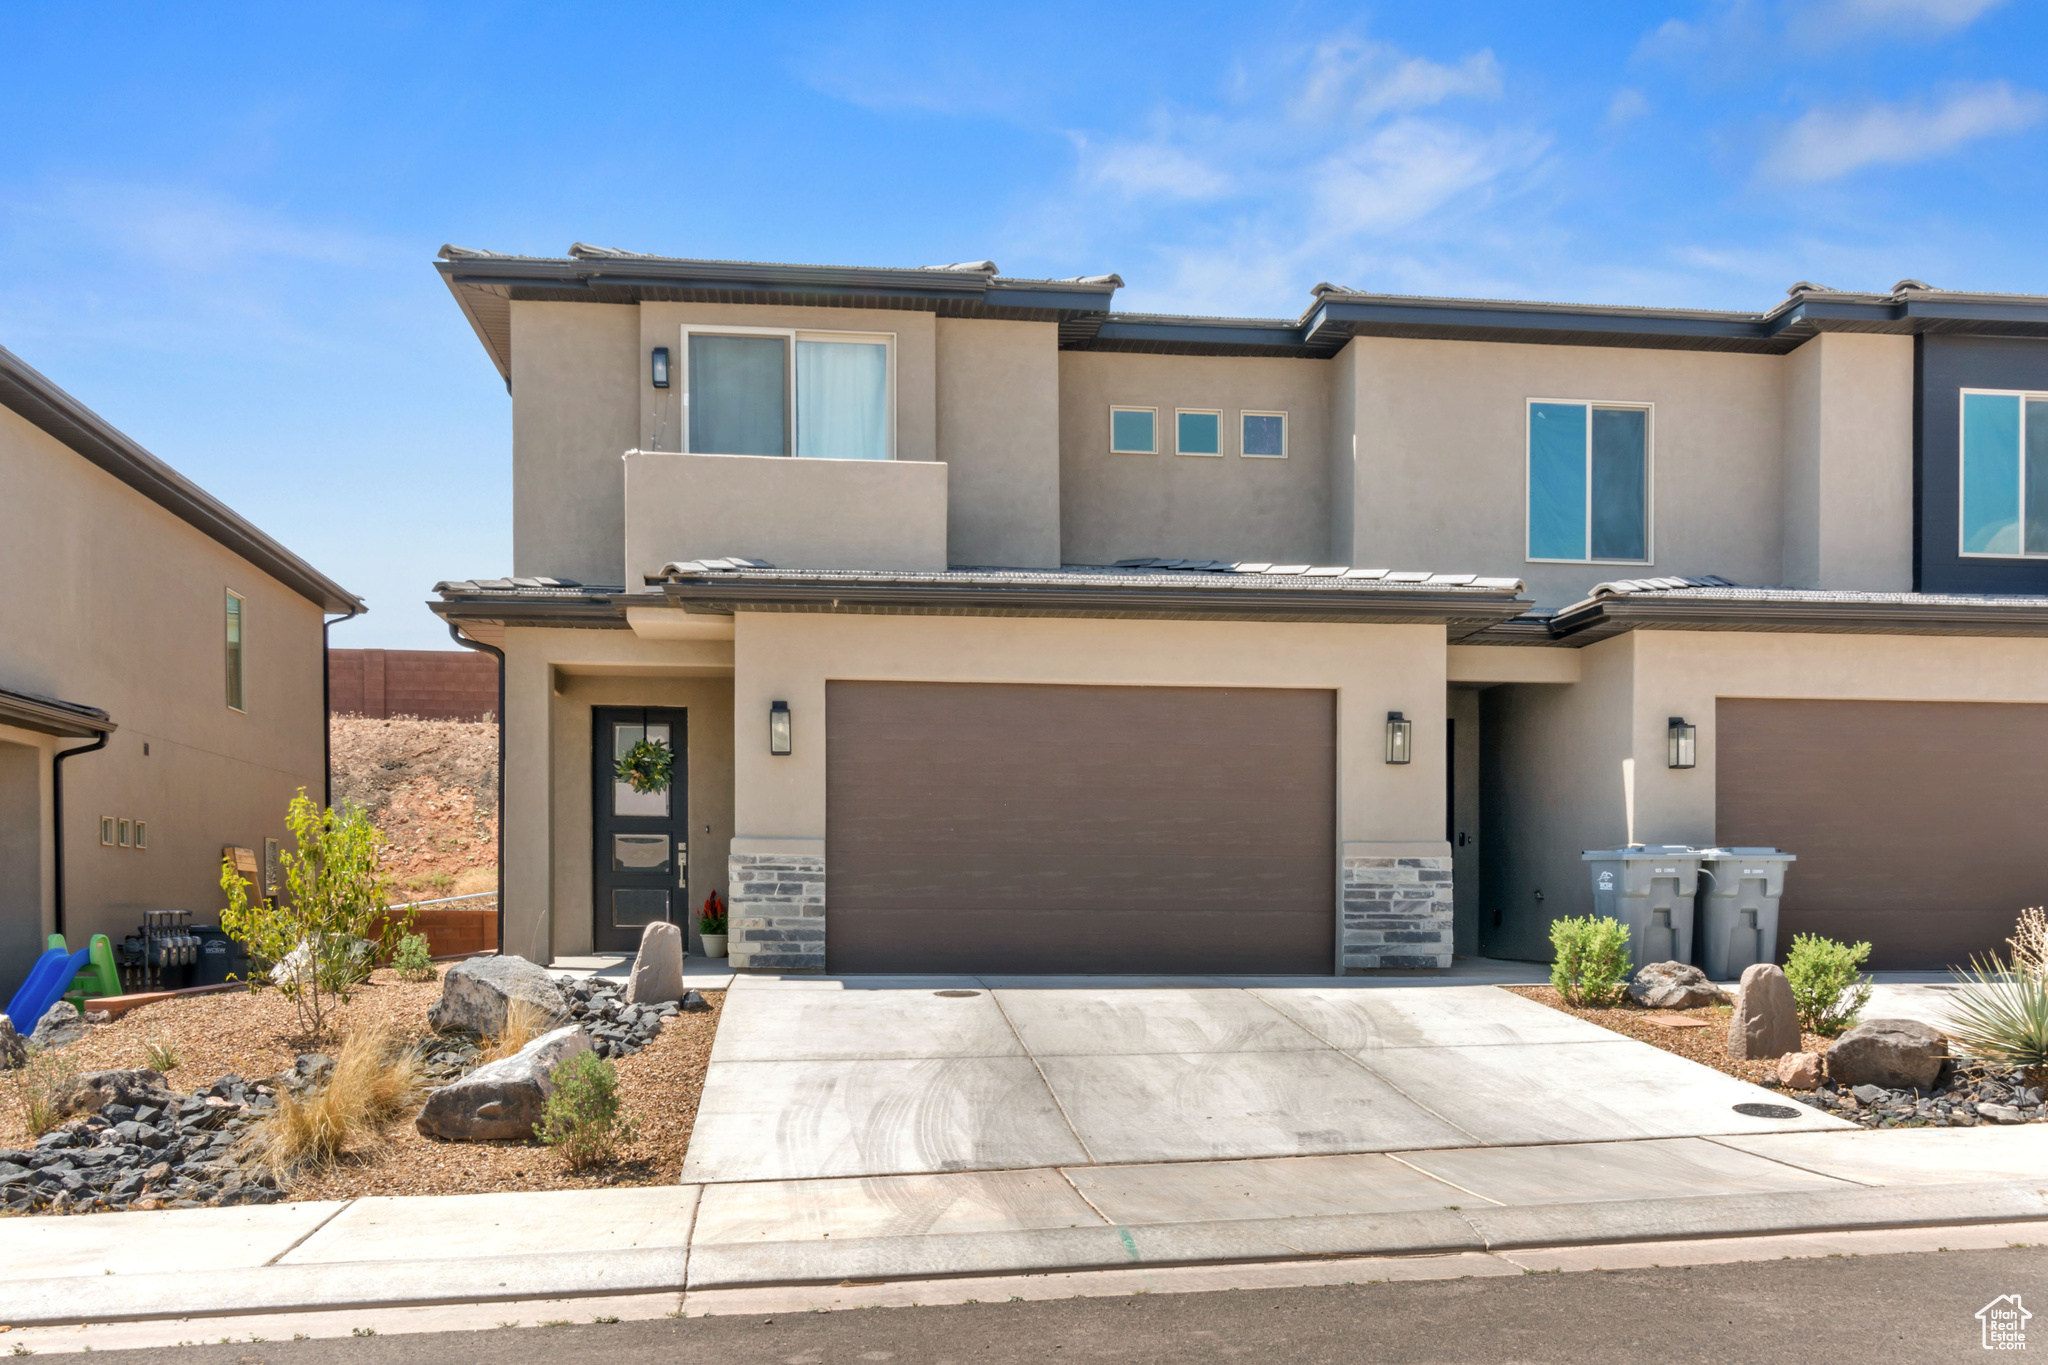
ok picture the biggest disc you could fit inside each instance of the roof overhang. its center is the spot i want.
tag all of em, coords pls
(28, 392)
(47, 715)
(1797, 612)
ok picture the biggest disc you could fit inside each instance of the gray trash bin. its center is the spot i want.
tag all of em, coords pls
(1739, 891)
(1650, 889)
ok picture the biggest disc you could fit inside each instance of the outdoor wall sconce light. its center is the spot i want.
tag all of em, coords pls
(1683, 743)
(778, 728)
(1400, 737)
(661, 367)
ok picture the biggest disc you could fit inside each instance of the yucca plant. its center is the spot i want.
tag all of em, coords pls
(2001, 1015)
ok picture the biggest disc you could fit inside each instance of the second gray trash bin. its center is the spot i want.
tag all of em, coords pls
(1650, 889)
(1739, 891)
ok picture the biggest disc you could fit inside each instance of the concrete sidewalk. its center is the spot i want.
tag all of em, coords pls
(385, 1252)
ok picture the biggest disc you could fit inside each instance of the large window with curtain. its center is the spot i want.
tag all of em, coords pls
(1589, 481)
(821, 395)
(2005, 474)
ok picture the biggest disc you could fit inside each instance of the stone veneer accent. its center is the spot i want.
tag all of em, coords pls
(776, 914)
(1397, 913)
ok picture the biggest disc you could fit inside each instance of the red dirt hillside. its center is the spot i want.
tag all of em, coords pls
(431, 786)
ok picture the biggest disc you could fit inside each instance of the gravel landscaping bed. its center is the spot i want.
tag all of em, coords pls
(192, 1151)
(1968, 1092)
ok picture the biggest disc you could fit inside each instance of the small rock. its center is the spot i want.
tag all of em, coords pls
(1766, 1020)
(501, 1099)
(160, 1171)
(476, 994)
(694, 1002)
(1869, 1094)
(1673, 986)
(94, 1090)
(1799, 1070)
(59, 1026)
(13, 1052)
(658, 966)
(1899, 1054)
(2000, 1113)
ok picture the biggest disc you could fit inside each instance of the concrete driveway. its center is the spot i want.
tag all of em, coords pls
(867, 1076)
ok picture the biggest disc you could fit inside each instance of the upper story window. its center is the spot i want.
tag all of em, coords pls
(1196, 432)
(234, 643)
(1589, 481)
(1133, 431)
(763, 391)
(2005, 473)
(1264, 435)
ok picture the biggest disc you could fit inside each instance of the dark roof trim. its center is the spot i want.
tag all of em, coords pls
(523, 608)
(28, 392)
(47, 715)
(1601, 618)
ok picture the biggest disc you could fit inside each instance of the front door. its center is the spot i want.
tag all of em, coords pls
(641, 856)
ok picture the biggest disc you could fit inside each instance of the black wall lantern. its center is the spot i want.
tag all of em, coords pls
(778, 727)
(661, 367)
(1400, 737)
(1682, 743)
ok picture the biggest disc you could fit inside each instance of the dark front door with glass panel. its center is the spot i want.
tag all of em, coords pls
(641, 823)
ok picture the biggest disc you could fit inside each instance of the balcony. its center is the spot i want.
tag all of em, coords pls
(793, 513)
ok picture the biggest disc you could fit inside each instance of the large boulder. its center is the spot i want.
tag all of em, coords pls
(1898, 1054)
(477, 994)
(60, 1026)
(503, 1099)
(1765, 1025)
(13, 1052)
(88, 1091)
(1673, 986)
(658, 967)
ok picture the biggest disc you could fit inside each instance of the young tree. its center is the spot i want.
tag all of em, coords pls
(320, 938)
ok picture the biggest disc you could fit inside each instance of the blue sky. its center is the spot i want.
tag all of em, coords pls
(221, 228)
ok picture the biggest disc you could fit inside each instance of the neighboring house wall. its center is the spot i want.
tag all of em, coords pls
(1122, 506)
(1947, 365)
(116, 603)
(1441, 469)
(1849, 463)
(433, 684)
(999, 434)
(24, 863)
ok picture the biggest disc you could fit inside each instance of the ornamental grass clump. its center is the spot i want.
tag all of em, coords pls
(585, 1120)
(2001, 1015)
(1590, 963)
(524, 1022)
(38, 1083)
(1827, 984)
(375, 1079)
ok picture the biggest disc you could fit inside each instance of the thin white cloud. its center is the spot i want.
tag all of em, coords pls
(1149, 169)
(1918, 15)
(1827, 144)
(1365, 79)
(1628, 105)
(1408, 170)
(194, 230)
(1737, 37)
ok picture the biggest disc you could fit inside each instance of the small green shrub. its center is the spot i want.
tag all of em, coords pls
(162, 1056)
(1591, 964)
(1827, 985)
(585, 1120)
(411, 959)
(2001, 1015)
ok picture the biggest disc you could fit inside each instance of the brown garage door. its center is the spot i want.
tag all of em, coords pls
(1917, 824)
(990, 828)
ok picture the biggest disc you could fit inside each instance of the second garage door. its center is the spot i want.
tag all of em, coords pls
(996, 828)
(1917, 824)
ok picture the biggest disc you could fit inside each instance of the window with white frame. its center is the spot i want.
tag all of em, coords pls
(1197, 431)
(1263, 435)
(2004, 474)
(1133, 431)
(773, 391)
(1588, 481)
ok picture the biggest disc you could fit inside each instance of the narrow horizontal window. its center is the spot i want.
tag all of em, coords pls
(1265, 435)
(2005, 474)
(1133, 431)
(1589, 482)
(1198, 433)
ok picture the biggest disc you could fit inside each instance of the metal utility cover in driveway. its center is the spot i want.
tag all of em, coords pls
(983, 827)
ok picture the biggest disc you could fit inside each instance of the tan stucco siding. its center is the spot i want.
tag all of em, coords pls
(118, 604)
(553, 679)
(1441, 469)
(1849, 463)
(574, 395)
(1373, 668)
(1187, 506)
(998, 400)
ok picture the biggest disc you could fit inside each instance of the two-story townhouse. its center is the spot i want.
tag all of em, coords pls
(996, 630)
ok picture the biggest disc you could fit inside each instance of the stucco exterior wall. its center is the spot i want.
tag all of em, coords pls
(998, 401)
(795, 514)
(552, 680)
(1849, 463)
(573, 402)
(1441, 469)
(1223, 507)
(78, 626)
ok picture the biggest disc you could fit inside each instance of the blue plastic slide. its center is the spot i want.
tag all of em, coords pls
(46, 984)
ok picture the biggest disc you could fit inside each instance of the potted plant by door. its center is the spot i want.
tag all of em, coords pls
(711, 925)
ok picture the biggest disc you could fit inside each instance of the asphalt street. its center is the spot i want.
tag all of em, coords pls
(1904, 1307)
